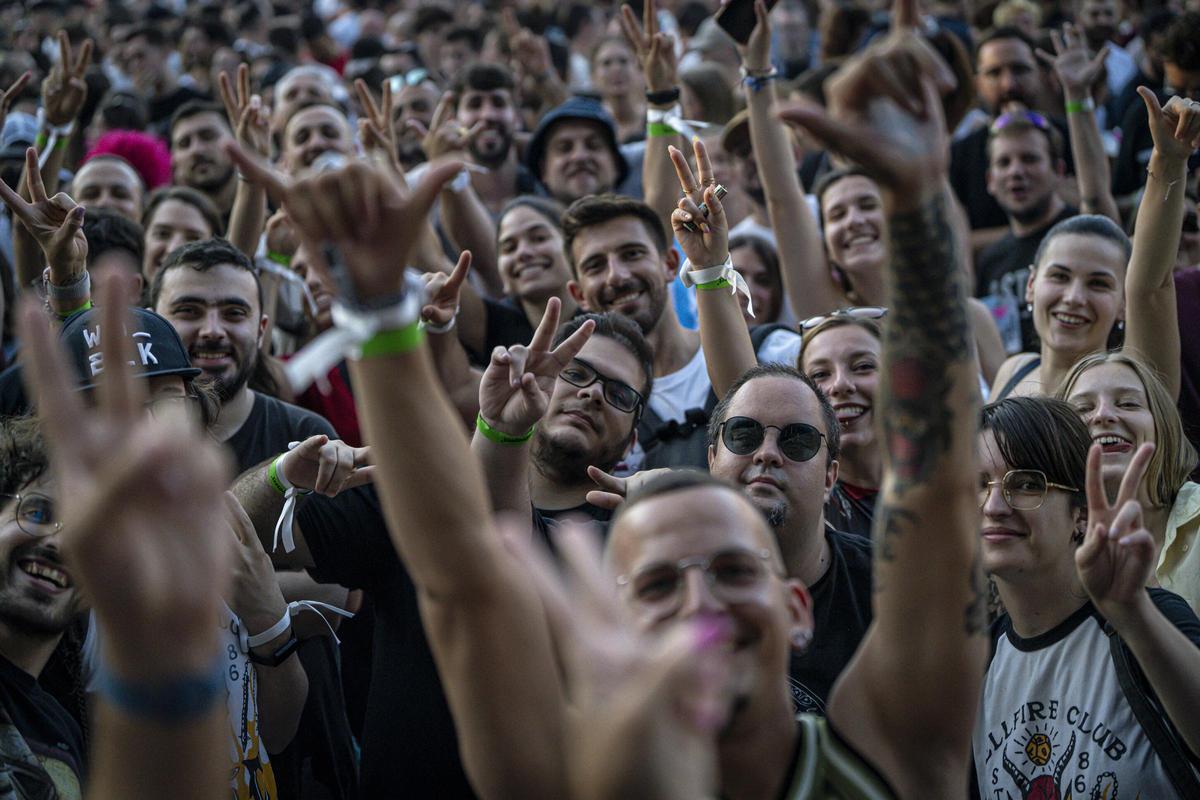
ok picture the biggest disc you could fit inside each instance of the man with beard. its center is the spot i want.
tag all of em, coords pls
(306, 85)
(416, 96)
(1023, 173)
(486, 97)
(622, 263)
(1007, 78)
(41, 746)
(1098, 20)
(199, 131)
(574, 153)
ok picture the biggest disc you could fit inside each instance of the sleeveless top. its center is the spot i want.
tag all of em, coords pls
(1017, 377)
(827, 768)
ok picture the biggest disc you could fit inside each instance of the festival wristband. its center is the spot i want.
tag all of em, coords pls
(394, 342)
(500, 437)
(1080, 106)
(279, 258)
(173, 701)
(40, 141)
(249, 642)
(279, 481)
(658, 129)
(63, 316)
(711, 278)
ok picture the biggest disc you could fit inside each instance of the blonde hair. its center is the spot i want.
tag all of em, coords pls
(1174, 457)
(869, 325)
(1007, 13)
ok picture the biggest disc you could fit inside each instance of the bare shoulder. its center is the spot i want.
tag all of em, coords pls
(1010, 366)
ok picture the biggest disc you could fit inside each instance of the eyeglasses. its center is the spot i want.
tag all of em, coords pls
(854, 312)
(735, 575)
(37, 514)
(1023, 489)
(620, 396)
(799, 441)
(1032, 117)
(414, 77)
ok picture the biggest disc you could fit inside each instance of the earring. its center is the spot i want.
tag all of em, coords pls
(801, 640)
(1029, 307)
(1120, 324)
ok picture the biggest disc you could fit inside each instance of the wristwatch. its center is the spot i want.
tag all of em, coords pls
(281, 654)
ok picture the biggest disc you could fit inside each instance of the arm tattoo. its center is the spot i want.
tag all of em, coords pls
(927, 335)
(891, 522)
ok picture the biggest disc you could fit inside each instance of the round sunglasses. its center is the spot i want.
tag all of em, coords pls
(798, 441)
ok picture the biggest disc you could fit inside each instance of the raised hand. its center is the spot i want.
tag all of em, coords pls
(648, 706)
(141, 497)
(375, 129)
(885, 113)
(255, 596)
(363, 209)
(1075, 67)
(56, 223)
(247, 116)
(756, 53)
(516, 386)
(1116, 559)
(443, 292)
(1174, 127)
(11, 94)
(655, 50)
(64, 90)
(704, 239)
(281, 236)
(614, 490)
(327, 466)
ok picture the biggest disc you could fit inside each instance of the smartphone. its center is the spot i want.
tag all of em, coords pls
(738, 20)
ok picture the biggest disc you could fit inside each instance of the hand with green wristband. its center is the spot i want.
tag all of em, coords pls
(1076, 68)
(516, 386)
(323, 465)
(704, 238)
(655, 50)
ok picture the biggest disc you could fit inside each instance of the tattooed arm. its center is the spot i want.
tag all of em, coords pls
(909, 696)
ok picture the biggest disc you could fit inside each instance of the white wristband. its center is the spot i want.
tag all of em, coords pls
(352, 327)
(293, 608)
(692, 276)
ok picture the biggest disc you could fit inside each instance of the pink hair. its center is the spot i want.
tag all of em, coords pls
(146, 153)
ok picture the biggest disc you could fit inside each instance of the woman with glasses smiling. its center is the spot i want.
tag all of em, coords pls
(1065, 705)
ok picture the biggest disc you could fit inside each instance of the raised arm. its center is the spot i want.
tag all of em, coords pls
(450, 305)
(1151, 316)
(910, 694)
(802, 267)
(484, 621)
(1115, 563)
(656, 52)
(1077, 71)
(728, 349)
(251, 127)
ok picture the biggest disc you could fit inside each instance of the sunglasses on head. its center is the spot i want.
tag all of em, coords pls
(1032, 117)
(854, 312)
(798, 441)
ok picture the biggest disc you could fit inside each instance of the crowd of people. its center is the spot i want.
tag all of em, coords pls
(659, 399)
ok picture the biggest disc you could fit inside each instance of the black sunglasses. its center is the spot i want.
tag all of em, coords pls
(619, 395)
(799, 441)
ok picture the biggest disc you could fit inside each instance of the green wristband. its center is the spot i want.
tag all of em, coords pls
(719, 283)
(40, 141)
(65, 315)
(500, 437)
(393, 342)
(279, 258)
(62, 143)
(657, 129)
(1080, 106)
(273, 476)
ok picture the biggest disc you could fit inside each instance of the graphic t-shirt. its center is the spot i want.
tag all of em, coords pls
(1054, 721)
(41, 747)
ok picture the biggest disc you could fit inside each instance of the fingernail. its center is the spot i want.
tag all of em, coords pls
(686, 217)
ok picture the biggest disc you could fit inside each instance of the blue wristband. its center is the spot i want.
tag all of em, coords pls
(175, 701)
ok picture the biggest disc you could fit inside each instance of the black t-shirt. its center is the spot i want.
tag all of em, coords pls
(408, 740)
(841, 615)
(272, 424)
(968, 175)
(1001, 271)
(41, 746)
(851, 512)
(505, 326)
(13, 401)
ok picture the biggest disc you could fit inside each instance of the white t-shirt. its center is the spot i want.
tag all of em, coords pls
(1054, 721)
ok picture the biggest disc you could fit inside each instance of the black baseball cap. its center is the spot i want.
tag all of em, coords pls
(157, 346)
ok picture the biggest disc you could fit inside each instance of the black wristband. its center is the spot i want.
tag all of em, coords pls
(664, 97)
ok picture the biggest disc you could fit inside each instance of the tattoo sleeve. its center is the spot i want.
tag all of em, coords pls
(927, 336)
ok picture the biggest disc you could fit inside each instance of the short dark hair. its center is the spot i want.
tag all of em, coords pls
(721, 411)
(23, 454)
(1041, 433)
(194, 108)
(106, 230)
(483, 76)
(1182, 42)
(429, 16)
(676, 480)
(624, 332)
(203, 256)
(1086, 225)
(592, 210)
(466, 33)
(123, 111)
(153, 34)
(184, 194)
(1005, 32)
(547, 207)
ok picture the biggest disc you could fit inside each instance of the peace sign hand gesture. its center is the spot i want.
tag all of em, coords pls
(11, 94)
(655, 50)
(1116, 559)
(64, 89)
(516, 386)
(56, 223)
(375, 129)
(704, 239)
(247, 117)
